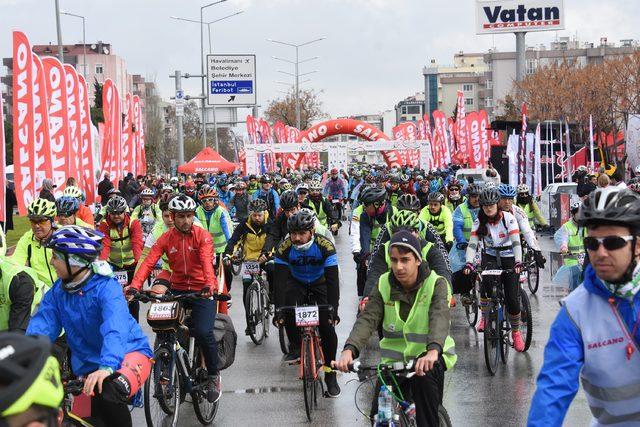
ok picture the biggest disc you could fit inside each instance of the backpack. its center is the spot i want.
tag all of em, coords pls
(226, 339)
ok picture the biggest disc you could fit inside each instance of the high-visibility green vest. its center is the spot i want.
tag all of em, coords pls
(121, 253)
(468, 221)
(158, 230)
(387, 258)
(530, 214)
(9, 270)
(320, 213)
(214, 226)
(575, 244)
(375, 230)
(438, 221)
(393, 198)
(402, 340)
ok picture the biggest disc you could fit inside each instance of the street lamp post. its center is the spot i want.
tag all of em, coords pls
(208, 24)
(59, 31)
(84, 42)
(297, 74)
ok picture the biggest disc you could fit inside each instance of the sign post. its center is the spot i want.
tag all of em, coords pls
(231, 80)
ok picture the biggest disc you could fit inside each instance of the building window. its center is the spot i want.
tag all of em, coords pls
(488, 102)
(413, 109)
(489, 84)
(467, 88)
(531, 66)
(468, 102)
(404, 109)
(99, 69)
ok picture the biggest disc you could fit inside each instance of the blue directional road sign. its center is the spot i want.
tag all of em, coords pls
(231, 80)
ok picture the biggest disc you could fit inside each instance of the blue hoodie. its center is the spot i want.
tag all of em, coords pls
(559, 378)
(97, 323)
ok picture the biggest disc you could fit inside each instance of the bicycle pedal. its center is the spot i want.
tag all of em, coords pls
(163, 381)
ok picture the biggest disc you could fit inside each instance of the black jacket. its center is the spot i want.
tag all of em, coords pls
(277, 231)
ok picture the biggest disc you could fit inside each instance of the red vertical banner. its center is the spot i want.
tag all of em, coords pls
(267, 138)
(3, 176)
(117, 132)
(106, 128)
(23, 122)
(58, 119)
(461, 129)
(476, 151)
(127, 136)
(42, 156)
(74, 150)
(112, 131)
(440, 138)
(137, 138)
(484, 136)
(87, 172)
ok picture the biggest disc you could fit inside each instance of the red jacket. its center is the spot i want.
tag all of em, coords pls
(135, 234)
(190, 259)
(85, 214)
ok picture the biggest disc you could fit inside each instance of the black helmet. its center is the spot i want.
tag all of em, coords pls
(266, 179)
(117, 205)
(611, 205)
(489, 196)
(289, 199)
(373, 194)
(409, 202)
(474, 189)
(303, 220)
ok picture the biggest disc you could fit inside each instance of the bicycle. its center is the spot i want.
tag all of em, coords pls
(497, 327)
(307, 318)
(471, 310)
(178, 362)
(531, 269)
(236, 260)
(72, 388)
(404, 409)
(256, 303)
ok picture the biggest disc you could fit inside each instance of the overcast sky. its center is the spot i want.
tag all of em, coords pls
(372, 56)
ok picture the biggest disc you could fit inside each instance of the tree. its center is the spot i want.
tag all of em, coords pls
(96, 111)
(284, 109)
(8, 141)
(509, 108)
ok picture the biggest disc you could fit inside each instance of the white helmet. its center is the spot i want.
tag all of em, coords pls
(147, 192)
(488, 185)
(182, 203)
(523, 188)
(315, 185)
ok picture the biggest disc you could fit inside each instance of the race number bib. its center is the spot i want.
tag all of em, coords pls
(307, 316)
(492, 273)
(162, 311)
(249, 268)
(121, 277)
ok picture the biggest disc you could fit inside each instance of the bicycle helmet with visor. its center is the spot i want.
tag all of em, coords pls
(117, 205)
(41, 209)
(489, 196)
(303, 220)
(409, 202)
(404, 219)
(288, 200)
(67, 206)
(181, 204)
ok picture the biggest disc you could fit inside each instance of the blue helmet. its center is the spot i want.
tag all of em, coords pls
(434, 186)
(67, 205)
(75, 240)
(507, 191)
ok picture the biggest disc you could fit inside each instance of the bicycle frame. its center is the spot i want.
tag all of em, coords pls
(309, 335)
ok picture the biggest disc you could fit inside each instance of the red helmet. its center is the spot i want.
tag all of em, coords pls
(208, 193)
(334, 171)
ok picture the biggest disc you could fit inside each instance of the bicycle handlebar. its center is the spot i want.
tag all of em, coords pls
(396, 367)
(292, 308)
(147, 296)
(74, 387)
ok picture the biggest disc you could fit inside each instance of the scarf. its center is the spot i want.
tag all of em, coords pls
(629, 289)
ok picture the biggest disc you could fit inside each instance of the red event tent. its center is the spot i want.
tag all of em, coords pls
(208, 161)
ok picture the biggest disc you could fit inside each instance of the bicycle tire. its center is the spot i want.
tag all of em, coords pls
(265, 309)
(236, 268)
(205, 411)
(491, 340)
(308, 381)
(526, 319)
(255, 314)
(534, 282)
(163, 359)
(472, 311)
(443, 417)
(505, 342)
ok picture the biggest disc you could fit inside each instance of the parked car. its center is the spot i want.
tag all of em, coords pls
(546, 197)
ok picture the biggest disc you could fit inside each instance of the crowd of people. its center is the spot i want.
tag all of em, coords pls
(417, 238)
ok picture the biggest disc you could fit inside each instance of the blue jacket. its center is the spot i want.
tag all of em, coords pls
(97, 323)
(458, 222)
(559, 378)
(272, 199)
(225, 196)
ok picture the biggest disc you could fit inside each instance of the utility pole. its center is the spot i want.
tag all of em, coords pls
(59, 29)
(179, 130)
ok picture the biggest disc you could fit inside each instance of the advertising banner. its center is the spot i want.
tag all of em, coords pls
(87, 170)
(74, 149)
(127, 136)
(42, 156)
(510, 16)
(3, 176)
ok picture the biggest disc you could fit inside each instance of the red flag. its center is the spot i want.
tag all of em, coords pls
(127, 136)
(23, 122)
(476, 151)
(484, 137)
(42, 156)
(139, 162)
(522, 146)
(461, 127)
(58, 119)
(74, 150)
(112, 131)
(440, 140)
(87, 170)
(3, 177)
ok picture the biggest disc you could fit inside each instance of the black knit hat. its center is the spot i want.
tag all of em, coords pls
(407, 240)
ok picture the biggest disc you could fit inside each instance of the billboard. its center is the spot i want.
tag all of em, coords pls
(511, 16)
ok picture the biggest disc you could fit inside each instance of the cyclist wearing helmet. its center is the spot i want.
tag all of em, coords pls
(122, 244)
(103, 209)
(20, 293)
(594, 337)
(569, 240)
(239, 203)
(87, 303)
(423, 193)
(31, 250)
(499, 235)
(525, 201)
(321, 206)
(306, 271)
(269, 195)
(253, 185)
(224, 193)
(438, 215)
(406, 184)
(189, 251)
(84, 213)
(454, 195)
(367, 219)
(67, 207)
(335, 188)
(31, 393)
(393, 190)
(147, 212)
(303, 192)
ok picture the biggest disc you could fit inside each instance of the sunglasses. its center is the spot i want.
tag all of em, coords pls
(209, 199)
(610, 243)
(39, 221)
(303, 193)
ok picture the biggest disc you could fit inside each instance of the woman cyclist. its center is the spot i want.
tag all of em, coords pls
(499, 235)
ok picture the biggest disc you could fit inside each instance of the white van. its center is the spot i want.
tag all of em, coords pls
(479, 175)
(551, 189)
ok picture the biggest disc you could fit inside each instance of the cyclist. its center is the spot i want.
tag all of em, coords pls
(525, 201)
(406, 184)
(303, 192)
(67, 208)
(570, 241)
(321, 206)
(20, 294)
(103, 209)
(394, 190)
(454, 195)
(499, 235)
(306, 271)
(190, 189)
(366, 221)
(216, 220)
(438, 215)
(336, 188)
(412, 303)
(189, 251)
(147, 212)
(239, 203)
(423, 193)
(594, 337)
(107, 346)
(224, 193)
(269, 195)
(31, 250)
(253, 186)
(122, 243)
(31, 393)
(84, 213)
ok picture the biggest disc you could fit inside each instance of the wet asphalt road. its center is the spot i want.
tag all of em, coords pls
(260, 390)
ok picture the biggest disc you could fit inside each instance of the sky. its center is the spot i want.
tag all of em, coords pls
(371, 59)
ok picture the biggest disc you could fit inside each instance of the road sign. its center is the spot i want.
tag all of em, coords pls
(231, 80)
(179, 102)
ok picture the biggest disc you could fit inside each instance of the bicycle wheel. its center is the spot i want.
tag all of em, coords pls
(162, 391)
(205, 411)
(443, 417)
(492, 337)
(505, 341)
(533, 277)
(308, 381)
(265, 303)
(236, 267)
(472, 310)
(526, 319)
(284, 340)
(255, 314)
